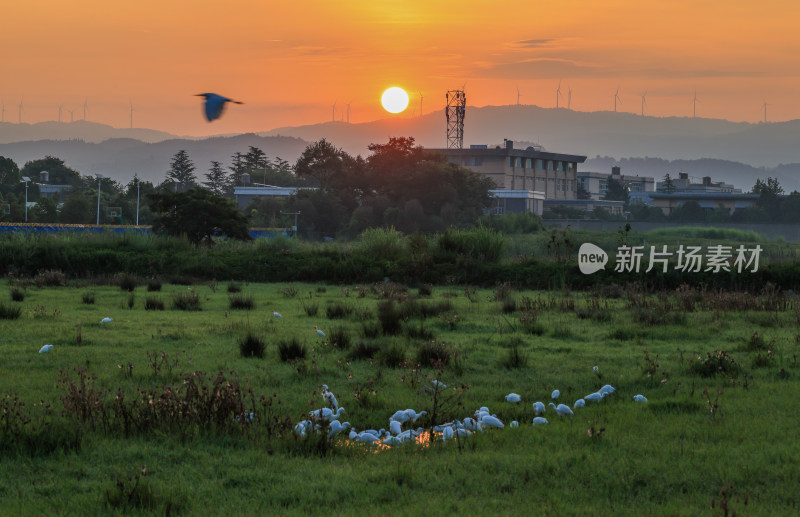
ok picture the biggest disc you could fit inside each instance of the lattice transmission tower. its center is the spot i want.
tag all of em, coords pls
(456, 108)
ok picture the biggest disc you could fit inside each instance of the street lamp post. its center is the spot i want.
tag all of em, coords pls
(99, 179)
(26, 180)
(136, 177)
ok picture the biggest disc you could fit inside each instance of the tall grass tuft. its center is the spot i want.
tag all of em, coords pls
(153, 285)
(50, 278)
(234, 287)
(291, 350)
(364, 350)
(310, 308)
(514, 358)
(151, 303)
(251, 346)
(9, 312)
(390, 317)
(127, 282)
(186, 301)
(392, 356)
(17, 294)
(87, 298)
(340, 338)
(240, 301)
(434, 354)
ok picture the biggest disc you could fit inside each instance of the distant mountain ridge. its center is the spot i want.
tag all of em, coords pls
(121, 158)
(736, 152)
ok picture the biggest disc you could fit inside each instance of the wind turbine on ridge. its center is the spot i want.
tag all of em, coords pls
(569, 98)
(348, 111)
(558, 93)
(617, 98)
(644, 101)
(19, 113)
(59, 112)
(765, 112)
(694, 104)
(518, 94)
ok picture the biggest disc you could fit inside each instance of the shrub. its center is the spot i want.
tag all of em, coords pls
(131, 300)
(390, 317)
(186, 301)
(153, 285)
(291, 350)
(137, 493)
(364, 350)
(370, 329)
(9, 312)
(340, 338)
(392, 356)
(433, 354)
(289, 291)
(234, 287)
(17, 294)
(756, 342)
(509, 305)
(338, 311)
(50, 278)
(126, 282)
(87, 298)
(425, 290)
(240, 301)
(623, 334)
(251, 346)
(151, 303)
(419, 332)
(514, 358)
(528, 322)
(311, 308)
(502, 292)
(717, 362)
(383, 244)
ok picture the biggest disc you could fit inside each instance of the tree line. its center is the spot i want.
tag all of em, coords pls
(399, 184)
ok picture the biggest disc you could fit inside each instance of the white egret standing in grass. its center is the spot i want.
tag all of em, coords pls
(595, 397)
(106, 320)
(319, 332)
(562, 409)
(438, 385)
(539, 407)
(640, 398)
(491, 421)
(329, 397)
(337, 427)
(579, 403)
(45, 348)
(400, 416)
(513, 397)
(214, 104)
(607, 389)
(555, 394)
(277, 314)
(539, 420)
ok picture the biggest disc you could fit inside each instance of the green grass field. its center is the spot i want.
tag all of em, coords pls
(719, 433)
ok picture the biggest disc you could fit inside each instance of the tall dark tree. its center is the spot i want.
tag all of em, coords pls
(237, 168)
(217, 179)
(255, 159)
(769, 192)
(668, 186)
(181, 171)
(616, 191)
(325, 164)
(199, 214)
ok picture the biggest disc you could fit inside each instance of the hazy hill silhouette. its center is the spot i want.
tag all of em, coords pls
(120, 158)
(78, 130)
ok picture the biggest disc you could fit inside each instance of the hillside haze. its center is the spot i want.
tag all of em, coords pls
(735, 152)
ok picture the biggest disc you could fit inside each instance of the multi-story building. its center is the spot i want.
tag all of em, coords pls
(684, 184)
(596, 183)
(544, 174)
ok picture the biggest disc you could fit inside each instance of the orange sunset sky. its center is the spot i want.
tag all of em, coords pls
(290, 61)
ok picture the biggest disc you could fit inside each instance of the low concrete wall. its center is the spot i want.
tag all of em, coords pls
(790, 232)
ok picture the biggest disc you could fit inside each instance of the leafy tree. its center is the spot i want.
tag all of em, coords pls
(59, 173)
(237, 168)
(78, 209)
(45, 211)
(688, 211)
(325, 164)
(181, 171)
(9, 171)
(197, 213)
(790, 208)
(769, 192)
(616, 191)
(217, 179)
(770, 186)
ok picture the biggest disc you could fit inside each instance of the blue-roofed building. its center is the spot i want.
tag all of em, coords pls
(709, 201)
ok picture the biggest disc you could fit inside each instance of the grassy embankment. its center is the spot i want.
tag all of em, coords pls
(706, 437)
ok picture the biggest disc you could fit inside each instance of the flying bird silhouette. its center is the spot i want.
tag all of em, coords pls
(214, 105)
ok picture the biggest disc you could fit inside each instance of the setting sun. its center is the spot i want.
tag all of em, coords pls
(394, 100)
